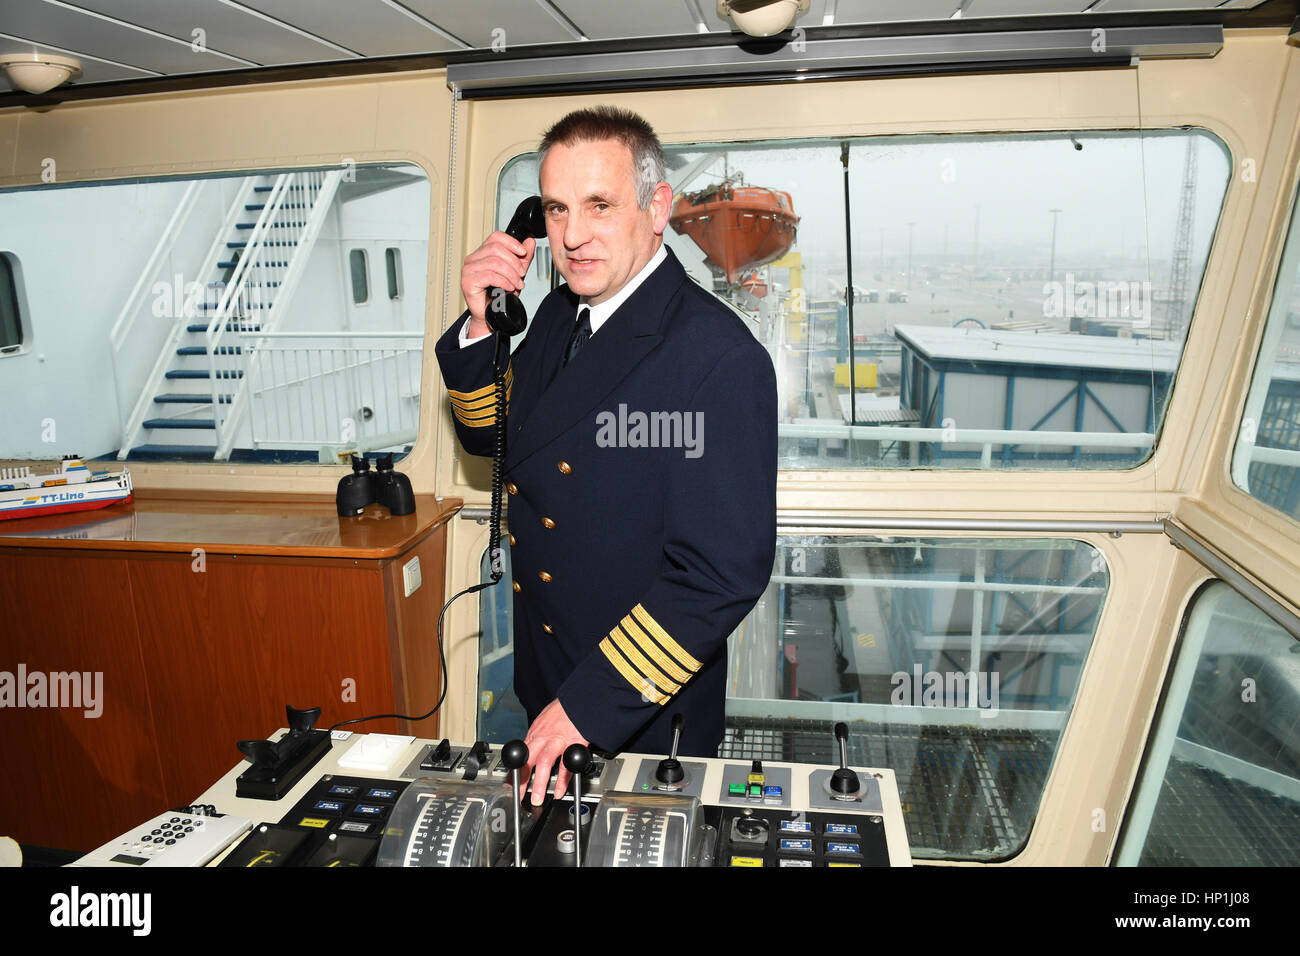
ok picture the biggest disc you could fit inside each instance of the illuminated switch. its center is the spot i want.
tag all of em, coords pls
(736, 790)
(796, 826)
(842, 829)
(772, 792)
(755, 790)
(794, 863)
(842, 849)
(796, 846)
(746, 861)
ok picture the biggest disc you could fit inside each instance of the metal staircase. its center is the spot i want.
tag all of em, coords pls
(196, 396)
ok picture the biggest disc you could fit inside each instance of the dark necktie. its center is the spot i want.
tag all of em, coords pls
(578, 337)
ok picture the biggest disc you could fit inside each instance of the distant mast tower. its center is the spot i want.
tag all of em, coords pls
(1176, 318)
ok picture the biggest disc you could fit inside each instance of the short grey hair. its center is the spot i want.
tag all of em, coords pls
(610, 122)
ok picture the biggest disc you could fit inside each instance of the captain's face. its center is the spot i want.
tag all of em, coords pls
(599, 237)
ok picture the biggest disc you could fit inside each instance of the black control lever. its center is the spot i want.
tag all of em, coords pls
(576, 758)
(844, 781)
(513, 756)
(479, 756)
(505, 313)
(670, 772)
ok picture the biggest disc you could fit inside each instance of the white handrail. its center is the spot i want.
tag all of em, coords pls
(131, 309)
(973, 436)
(318, 189)
(140, 411)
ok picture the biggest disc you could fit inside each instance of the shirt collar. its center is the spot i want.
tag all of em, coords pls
(601, 312)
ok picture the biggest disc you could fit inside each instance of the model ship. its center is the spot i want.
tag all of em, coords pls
(74, 487)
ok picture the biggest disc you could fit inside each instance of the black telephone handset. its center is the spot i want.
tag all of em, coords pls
(506, 317)
(505, 313)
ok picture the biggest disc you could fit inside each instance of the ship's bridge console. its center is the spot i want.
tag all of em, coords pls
(401, 801)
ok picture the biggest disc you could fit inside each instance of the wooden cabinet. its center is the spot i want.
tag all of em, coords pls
(192, 623)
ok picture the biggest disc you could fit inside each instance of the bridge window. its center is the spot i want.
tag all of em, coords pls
(1266, 461)
(212, 318)
(1221, 777)
(1010, 301)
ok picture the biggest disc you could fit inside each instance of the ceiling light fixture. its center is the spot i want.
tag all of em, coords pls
(39, 72)
(763, 18)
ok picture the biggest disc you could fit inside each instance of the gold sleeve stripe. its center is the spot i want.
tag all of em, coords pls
(654, 651)
(478, 418)
(487, 411)
(651, 672)
(639, 683)
(478, 393)
(659, 634)
(485, 402)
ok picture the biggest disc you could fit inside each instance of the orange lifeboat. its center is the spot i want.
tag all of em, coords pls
(737, 227)
(755, 285)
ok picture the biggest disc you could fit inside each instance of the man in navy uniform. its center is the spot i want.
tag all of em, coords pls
(641, 462)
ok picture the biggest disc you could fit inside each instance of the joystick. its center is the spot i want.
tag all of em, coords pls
(844, 782)
(669, 775)
(513, 756)
(576, 759)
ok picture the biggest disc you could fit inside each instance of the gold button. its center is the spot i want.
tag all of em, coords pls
(565, 468)
(544, 576)
(513, 542)
(548, 629)
(548, 523)
(512, 488)
(517, 587)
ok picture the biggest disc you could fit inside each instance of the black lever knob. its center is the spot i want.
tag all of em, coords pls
(513, 756)
(576, 759)
(844, 781)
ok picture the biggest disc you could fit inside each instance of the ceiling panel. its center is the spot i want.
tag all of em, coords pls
(1023, 8)
(227, 29)
(371, 27)
(523, 21)
(877, 11)
(92, 71)
(1129, 6)
(603, 20)
(63, 27)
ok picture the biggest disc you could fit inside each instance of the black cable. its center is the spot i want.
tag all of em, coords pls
(495, 558)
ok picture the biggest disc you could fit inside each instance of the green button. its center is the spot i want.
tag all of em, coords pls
(755, 790)
(737, 789)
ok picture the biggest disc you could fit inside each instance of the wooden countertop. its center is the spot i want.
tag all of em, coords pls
(233, 523)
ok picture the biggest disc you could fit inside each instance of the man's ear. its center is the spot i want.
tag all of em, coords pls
(661, 205)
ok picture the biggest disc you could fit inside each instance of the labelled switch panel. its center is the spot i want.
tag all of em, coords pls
(752, 784)
(759, 837)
